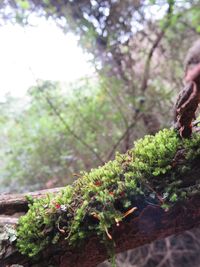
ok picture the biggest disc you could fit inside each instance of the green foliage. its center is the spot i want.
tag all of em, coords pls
(35, 149)
(100, 198)
(40, 148)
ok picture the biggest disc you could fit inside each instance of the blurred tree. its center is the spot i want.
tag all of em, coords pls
(57, 134)
(132, 42)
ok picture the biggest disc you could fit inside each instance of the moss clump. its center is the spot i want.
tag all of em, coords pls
(37, 228)
(102, 197)
(154, 155)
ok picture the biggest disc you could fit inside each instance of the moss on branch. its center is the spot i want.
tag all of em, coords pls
(152, 173)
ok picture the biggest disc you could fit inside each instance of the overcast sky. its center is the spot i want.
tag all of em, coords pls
(42, 52)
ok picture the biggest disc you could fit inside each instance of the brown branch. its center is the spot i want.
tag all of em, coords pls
(151, 223)
(11, 204)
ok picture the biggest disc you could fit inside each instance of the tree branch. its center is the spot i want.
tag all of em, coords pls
(11, 204)
(152, 224)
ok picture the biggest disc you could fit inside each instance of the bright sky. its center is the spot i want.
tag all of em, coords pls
(42, 52)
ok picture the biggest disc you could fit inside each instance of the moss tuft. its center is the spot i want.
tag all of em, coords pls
(109, 194)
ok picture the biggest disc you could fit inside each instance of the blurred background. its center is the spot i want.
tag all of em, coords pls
(82, 79)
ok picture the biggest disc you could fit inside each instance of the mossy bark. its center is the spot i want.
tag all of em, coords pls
(152, 221)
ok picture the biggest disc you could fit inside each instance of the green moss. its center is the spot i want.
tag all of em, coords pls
(100, 198)
(153, 155)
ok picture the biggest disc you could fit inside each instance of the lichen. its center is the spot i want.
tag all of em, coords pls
(146, 174)
(7, 237)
